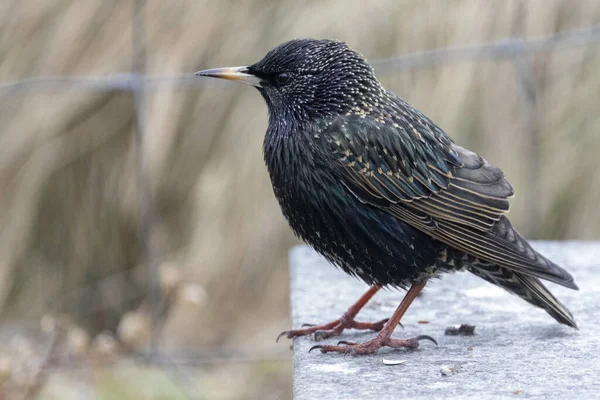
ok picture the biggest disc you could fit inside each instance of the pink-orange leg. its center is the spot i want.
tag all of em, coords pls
(384, 337)
(346, 321)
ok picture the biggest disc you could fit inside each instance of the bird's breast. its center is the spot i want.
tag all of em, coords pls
(304, 188)
(363, 240)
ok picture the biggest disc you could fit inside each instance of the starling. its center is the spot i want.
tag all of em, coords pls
(381, 191)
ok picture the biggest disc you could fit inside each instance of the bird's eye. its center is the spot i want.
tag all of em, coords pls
(283, 78)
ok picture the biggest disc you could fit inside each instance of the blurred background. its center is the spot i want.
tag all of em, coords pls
(106, 192)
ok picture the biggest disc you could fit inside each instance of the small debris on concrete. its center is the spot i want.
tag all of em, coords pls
(462, 330)
(451, 331)
(318, 336)
(470, 348)
(393, 362)
(448, 370)
(423, 322)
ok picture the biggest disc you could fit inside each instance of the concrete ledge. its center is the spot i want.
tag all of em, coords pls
(517, 351)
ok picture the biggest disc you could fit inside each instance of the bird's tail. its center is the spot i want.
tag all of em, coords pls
(528, 288)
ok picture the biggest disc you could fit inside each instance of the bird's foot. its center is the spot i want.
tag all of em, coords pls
(334, 328)
(372, 346)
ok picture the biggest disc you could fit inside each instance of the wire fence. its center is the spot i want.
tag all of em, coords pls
(137, 82)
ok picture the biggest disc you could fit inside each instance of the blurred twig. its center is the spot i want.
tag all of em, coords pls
(60, 332)
(525, 75)
(147, 212)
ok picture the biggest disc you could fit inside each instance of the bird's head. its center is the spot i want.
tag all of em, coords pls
(309, 78)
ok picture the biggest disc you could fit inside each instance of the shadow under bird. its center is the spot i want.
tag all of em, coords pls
(381, 191)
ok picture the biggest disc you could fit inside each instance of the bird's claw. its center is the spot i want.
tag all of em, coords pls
(425, 337)
(319, 346)
(377, 326)
(283, 333)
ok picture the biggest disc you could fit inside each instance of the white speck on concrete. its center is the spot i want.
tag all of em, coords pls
(448, 370)
(393, 362)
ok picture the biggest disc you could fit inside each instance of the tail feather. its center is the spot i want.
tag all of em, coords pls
(528, 288)
(540, 296)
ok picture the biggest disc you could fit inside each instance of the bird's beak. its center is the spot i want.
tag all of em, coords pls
(238, 74)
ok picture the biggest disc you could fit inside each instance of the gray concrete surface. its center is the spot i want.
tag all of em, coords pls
(518, 351)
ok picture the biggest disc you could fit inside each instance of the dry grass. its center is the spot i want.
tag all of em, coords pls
(69, 199)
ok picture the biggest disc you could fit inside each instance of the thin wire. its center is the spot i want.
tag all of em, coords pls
(503, 48)
(193, 358)
(121, 81)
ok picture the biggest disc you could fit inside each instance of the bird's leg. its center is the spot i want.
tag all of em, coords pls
(346, 321)
(384, 337)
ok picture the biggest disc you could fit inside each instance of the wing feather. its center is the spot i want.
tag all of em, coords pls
(449, 192)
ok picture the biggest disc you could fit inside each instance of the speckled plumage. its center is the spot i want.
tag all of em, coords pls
(378, 188)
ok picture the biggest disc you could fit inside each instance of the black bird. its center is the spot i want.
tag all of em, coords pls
(381, 191)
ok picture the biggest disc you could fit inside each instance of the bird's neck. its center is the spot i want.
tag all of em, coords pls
(286, 148)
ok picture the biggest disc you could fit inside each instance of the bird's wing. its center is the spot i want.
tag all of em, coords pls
(420, 176)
